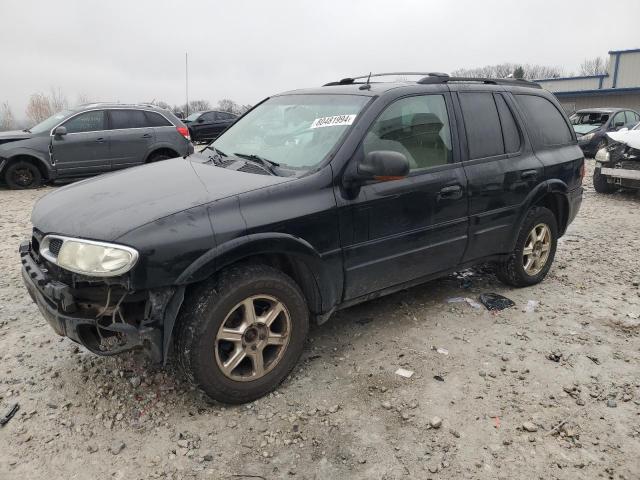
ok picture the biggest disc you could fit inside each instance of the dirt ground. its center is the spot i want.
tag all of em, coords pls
(552, 393)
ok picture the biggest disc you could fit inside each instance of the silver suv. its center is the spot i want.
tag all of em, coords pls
(88, 140)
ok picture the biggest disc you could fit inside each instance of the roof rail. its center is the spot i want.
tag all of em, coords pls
(437, 77)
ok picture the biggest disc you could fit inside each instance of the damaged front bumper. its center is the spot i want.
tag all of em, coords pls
(108, 318)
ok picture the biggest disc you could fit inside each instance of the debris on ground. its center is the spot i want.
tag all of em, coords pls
(435, 422)
(531, 306)
(403, 372)
(555, 356)
(9, 415)
(495, 302)
(467, 300)
(440, 350)
(529, 427)
(439, 378)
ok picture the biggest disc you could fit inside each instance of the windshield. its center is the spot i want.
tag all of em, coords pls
(295, 131)
(586, 121)
(50, 122)
(193, 116)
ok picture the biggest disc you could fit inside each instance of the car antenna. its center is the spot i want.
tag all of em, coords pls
(367, 85)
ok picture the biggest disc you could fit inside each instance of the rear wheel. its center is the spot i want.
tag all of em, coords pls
(156, 157)
(240, 334)
(600, 182)
(534, 251)
(22, 174)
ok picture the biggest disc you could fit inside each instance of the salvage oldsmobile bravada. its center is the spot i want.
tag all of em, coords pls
(313, 201)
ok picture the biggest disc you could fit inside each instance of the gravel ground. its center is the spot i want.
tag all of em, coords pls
(552, 393)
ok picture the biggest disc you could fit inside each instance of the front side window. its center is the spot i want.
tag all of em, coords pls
(295, 131)
(417, 127)
(618, 120)
(86, 122)
(208, 117)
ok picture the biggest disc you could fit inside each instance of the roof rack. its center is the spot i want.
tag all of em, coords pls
(437, 77)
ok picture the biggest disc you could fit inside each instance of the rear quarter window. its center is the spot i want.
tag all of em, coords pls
(123, 119)
(544, 122)
(156, 120)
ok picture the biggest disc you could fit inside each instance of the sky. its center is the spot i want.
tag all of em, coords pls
(245, 50)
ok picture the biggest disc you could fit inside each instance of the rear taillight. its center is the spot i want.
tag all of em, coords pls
(184, 131)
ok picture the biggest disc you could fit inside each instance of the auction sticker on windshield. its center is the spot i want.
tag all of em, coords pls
(333, 121)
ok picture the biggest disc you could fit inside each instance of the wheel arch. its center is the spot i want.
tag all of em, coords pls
(162, 150)
(291, 255)
(26, 155)
(553, 195)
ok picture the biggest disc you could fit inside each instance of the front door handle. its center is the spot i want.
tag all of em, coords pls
(529, 175)
(452, 192)
(146, 135)
(100, 140)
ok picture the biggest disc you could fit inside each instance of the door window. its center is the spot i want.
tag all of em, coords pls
(123, 119)
(208, 117)
(545, 124)
(86, 122)
(510, 132)
(482, 124)
(417, 127)
(618, 120)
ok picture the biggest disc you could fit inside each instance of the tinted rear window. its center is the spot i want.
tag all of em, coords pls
(545, 123)
(156, 120)
(127, 119)
(482, 124)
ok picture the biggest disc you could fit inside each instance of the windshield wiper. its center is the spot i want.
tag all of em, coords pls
(268, 164)
(217, 154)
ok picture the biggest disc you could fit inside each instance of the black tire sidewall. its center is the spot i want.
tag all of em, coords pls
(536, 216)
(37, 176)
(600, 183)
(204, 369)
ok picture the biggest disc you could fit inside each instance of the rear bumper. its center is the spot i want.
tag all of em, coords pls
(68, 317)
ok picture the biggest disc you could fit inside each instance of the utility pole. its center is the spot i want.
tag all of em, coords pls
(186, 71)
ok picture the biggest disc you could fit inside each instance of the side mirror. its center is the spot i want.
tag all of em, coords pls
(60, 131)
(619, 124)
(382, 165)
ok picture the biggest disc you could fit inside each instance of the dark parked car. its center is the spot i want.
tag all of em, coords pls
(313, 201)
(591, 126)
(206, 126)
(88, 140)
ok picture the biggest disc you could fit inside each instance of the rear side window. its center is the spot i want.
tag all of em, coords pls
(545, 123)
(208, 117)
(156, 120)
(482, 124)
(86, 122)
(122, 119)
(510, 131)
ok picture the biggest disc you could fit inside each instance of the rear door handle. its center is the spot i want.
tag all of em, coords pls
(146, 135)
(100, 140)
(529, 174)
(452, 192)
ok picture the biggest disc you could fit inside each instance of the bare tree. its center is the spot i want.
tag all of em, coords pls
(161, 104)
(38, 108)
(57, 100)
(83, 99)
(593, 66)
(7, 121)
(198, 106)
(227, 105)
(504, 70)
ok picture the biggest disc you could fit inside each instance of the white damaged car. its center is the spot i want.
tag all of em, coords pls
(618, 163)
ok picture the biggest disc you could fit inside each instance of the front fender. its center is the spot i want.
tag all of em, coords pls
(41, 157)
(327, 277)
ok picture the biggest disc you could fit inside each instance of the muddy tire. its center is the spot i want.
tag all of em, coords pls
(600, 183)
(534, 251)
(21, 175)
(240, 334)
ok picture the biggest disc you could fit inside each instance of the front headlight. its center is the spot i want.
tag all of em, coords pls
(98, 259)
(587, 137)
(603, 155)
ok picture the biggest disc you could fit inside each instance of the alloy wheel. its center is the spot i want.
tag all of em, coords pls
(253, 338)
(536, 249)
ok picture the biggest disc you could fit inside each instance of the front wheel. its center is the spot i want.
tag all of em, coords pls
(22, 174)
(239, 335)
(534, 251)
(600, 183)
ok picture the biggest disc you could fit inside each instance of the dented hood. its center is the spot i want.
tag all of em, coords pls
(630, 138)
(106, 207)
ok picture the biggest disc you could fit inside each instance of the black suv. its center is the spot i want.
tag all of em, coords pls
(206, 126)
(313, 201)
(90, 139)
